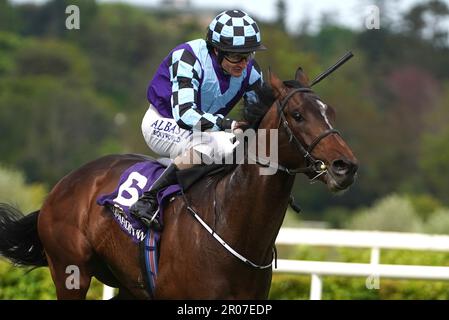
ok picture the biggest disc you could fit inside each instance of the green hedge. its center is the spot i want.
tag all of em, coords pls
(22, 284)
(289, 287)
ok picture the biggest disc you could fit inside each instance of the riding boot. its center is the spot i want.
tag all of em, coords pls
(147, 205)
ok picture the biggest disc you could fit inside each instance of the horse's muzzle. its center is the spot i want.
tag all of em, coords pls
(342, 173)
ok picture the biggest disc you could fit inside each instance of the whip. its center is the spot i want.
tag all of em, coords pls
(331, 69)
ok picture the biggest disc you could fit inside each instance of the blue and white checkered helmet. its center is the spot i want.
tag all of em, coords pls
(234, 31)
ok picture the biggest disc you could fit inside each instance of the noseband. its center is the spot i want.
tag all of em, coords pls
(313, 165)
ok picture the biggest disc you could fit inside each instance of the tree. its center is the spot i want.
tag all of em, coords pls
(433, 157)
(9, 46)
(8, 18)
(53, 121)
(425, 20)
(49, 18)
(51, 128)
(281, 14)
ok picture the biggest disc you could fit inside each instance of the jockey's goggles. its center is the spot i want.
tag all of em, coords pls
(237, 57)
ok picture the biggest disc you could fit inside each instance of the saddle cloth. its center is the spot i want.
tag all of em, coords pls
(133, 183)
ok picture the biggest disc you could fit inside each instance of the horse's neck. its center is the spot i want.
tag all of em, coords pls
(256, 201)
(256, 206)
(270, 192)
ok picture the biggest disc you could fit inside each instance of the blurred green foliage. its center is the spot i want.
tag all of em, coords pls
(438, 222)
(297, 287)
(15, 191)
(27, 284)
(17, 284)
(393, 213)
(62, 91)
(401, 213)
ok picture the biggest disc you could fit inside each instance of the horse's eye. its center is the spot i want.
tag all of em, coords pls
(297, 116)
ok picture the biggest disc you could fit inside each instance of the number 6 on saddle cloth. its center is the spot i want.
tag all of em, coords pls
(138, 179)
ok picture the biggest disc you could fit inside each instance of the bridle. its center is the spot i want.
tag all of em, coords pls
(313, 165)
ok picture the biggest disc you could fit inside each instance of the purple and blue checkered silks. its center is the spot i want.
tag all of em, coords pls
(191, 87)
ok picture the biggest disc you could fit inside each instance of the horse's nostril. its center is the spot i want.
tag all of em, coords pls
(344, 167)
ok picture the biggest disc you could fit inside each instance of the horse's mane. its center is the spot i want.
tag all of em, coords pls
(254, 111)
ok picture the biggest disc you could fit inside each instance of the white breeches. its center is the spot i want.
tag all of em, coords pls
(167, 139)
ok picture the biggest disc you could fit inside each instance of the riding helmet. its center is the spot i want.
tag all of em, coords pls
(234, 31)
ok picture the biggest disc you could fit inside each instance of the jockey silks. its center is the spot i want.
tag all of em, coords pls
(191, 87)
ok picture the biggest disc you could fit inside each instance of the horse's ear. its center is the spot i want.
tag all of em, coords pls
(276, 83)
(301, 77)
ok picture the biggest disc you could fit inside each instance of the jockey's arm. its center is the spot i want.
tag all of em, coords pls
(255, 82)
(185, 74)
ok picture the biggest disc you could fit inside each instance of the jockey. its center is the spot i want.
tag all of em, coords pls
(193, 90)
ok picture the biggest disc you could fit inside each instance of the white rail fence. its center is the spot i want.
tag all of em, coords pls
(360, 239)
(356, 239)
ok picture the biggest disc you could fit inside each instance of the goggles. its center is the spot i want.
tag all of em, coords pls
(237, 57)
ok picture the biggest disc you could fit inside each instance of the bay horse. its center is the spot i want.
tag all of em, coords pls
(245, 208)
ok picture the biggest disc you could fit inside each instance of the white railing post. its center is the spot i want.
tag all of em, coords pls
(316, 287)
(373, 281)
(108, 292)
(375, 255)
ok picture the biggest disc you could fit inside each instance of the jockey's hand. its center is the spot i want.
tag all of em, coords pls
(239, 126)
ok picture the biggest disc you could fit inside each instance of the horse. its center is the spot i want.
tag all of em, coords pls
(246, 209)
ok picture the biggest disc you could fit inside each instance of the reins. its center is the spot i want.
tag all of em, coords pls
(223, 242)
(312, 164)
